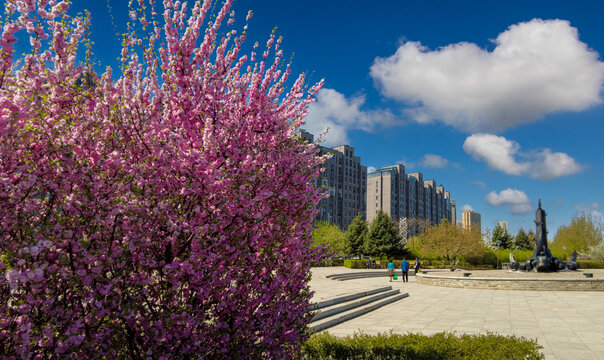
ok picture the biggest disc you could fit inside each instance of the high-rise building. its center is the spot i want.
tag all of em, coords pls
(344, 179)
(406, 196)
(469, 219)
(453, 212)
(504, 226)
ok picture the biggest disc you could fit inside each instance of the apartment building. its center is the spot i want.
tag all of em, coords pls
(344, 179)
(469, 219)
(402, 195)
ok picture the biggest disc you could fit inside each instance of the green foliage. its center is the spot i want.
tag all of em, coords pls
(590, 264)
(362, 264)
(355, 264)
(450, 242)
(383, 238)
(522, 241)
(419, 347)
(355, 236)
(330, 236)
(582, 233)
(596, 252)
(484, 258)
(501, 236)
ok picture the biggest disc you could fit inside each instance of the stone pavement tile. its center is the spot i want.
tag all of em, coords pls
(562, 354)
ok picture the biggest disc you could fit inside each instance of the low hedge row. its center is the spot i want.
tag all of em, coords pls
(362, 264)
(590, 264)
(418, 347)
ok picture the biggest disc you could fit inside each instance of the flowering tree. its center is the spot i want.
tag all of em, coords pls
(164, 214)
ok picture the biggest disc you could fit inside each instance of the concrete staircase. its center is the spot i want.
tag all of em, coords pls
(331, 312)
(365, 274)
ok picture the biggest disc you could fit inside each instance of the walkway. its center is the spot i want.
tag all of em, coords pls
(569, 325)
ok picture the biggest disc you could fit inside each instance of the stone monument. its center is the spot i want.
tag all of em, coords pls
(542, 260)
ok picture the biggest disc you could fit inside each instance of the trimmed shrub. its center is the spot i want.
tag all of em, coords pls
(590, 264)
(418, 347)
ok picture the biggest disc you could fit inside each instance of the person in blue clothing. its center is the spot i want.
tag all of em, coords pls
(405, 270)
(390, 269)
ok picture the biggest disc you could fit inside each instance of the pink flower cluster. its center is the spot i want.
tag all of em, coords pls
(163, 215)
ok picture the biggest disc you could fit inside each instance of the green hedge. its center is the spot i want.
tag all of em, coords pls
(590, 264)
(362, 264)
(418, 347)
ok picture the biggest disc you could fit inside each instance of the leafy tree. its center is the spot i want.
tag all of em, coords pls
(383, 238)
(522, 241)
(451, 242)
(596, 252)
(355, 236)
(330, 237)
(582, 233)
(164, 214)
(502, 236)
(532, 237)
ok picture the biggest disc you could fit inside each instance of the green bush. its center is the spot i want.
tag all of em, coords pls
(355, 263)
(362, 264)
(590, 264)
(417, 347)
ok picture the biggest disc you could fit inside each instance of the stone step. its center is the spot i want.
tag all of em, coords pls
(339, 318)
(344, 306)
(362, 275)
(341, 299)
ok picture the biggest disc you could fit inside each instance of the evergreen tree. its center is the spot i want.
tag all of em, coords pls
(383, 238)
(522, 242)
(502, 237)
(355, 236)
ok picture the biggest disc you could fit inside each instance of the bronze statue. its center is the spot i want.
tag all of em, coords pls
(542, 259)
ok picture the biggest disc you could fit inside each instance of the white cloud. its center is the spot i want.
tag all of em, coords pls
(591, 210)
(537, 67)
(370, 169)
(340, 114)
(501, 154)
(467, 207)
(408, 164)
(517, 199)
(479, 183)
(434, 161)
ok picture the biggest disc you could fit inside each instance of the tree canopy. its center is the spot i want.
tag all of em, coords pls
(164, 211)
(330, 237)
(450, 242)
(502, 237)
(582, 233)
(356, 236)
(522, 241)
(383, 238)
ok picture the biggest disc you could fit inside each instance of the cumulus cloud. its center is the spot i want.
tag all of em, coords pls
(536, 68)
(434, 161)
(467, 207)
(340, 114)
(517, 200)
(370, 169)
(502, 154)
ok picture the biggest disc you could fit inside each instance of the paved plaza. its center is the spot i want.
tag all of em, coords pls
(568, 324)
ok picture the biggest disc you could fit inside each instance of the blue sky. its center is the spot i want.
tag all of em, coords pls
(501, 102)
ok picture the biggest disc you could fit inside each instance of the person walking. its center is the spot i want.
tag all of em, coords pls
(417, 265)
(405, 270)
(390, 269)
